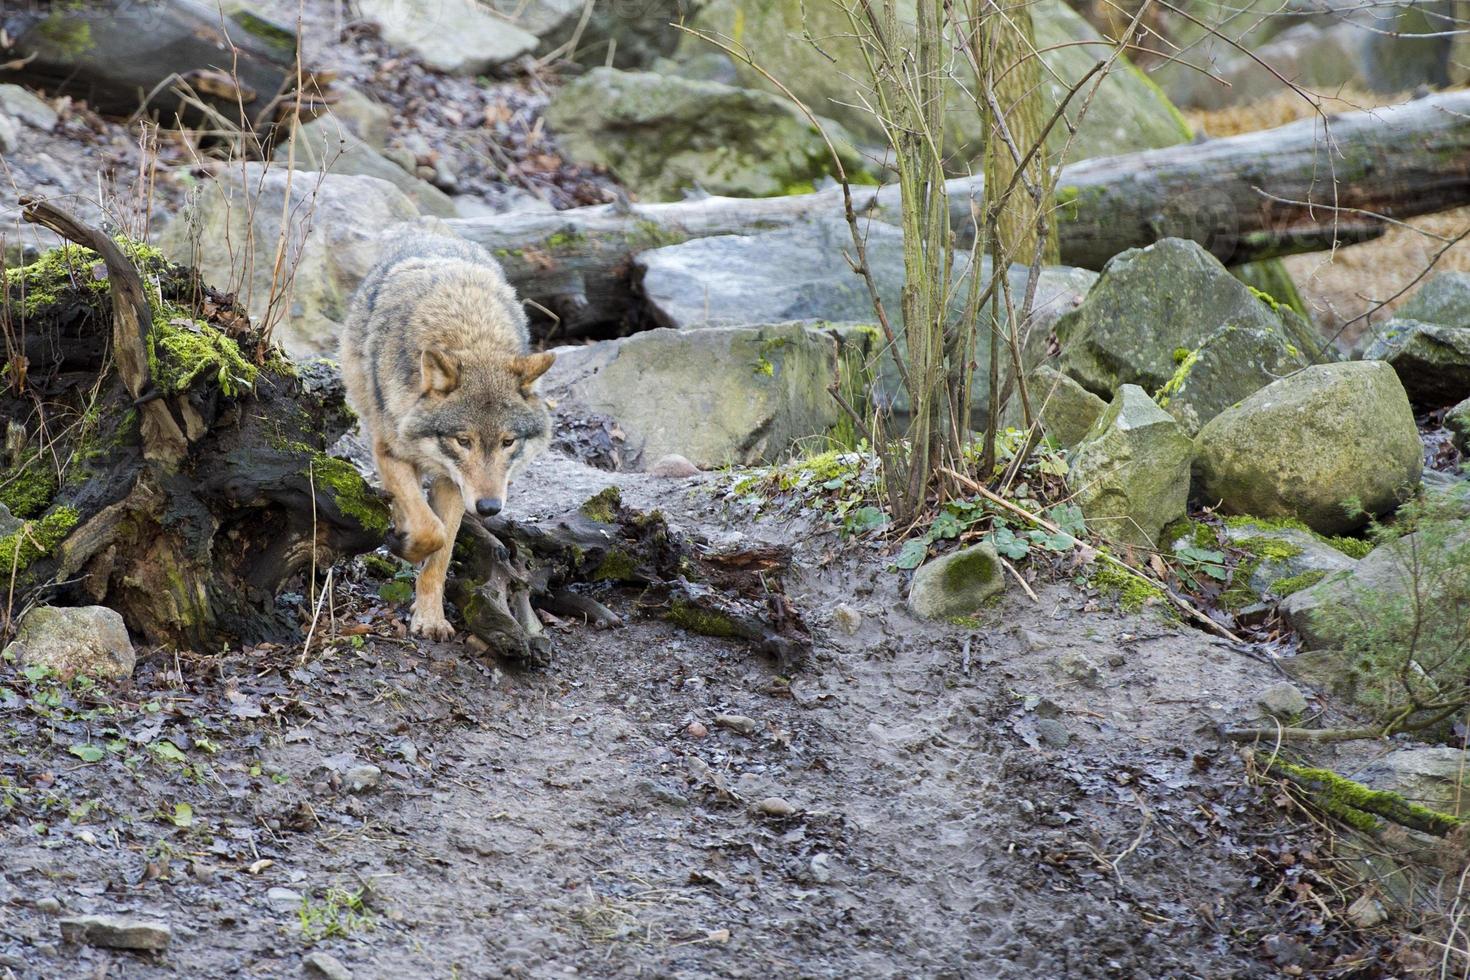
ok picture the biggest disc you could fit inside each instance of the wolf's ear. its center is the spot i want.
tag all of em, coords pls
(438, 372)
(531, 366)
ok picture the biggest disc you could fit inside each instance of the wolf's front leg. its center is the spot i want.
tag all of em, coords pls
(428, 604)
(417, 533)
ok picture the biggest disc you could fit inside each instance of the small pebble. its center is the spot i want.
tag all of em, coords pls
(737, 723)
(360, 779)
(847, 619)
(1284, 700)
(696, 730)
(283, 900)
(821, 868)
(1052, 733)
(326, 966)
(774, 806)
(50, 905)
(673, 467)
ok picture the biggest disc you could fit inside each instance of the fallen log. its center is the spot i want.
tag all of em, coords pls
(180, 59)
(1249, 197)
(161, 458)
(507, 568)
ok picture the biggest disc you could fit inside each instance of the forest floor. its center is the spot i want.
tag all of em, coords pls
(1042, 795)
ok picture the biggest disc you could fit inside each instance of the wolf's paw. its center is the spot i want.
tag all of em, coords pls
(431, 624)
(414, 548)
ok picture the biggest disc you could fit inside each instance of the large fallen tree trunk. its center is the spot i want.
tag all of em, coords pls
(162, 459)
(1297, 188)
(182, 59)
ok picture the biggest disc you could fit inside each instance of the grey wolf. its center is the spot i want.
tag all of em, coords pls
(436, 362)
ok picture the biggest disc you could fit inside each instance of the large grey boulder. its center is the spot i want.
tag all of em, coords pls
(232, 231)
(800, 273)
(460, 37)
(723, 396)
(811, 49)
(328, 145)
(1130, 474)
(91, 641)
(1154, 308)
(956, 584)
(1307, 445)
(664, 135)
(1431, 359)
(1444, 299)
(1437, 777)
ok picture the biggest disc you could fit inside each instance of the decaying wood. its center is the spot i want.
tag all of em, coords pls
(190, 525)
(163, 440)
(507, 567)
(165, 56)
(1297, 188)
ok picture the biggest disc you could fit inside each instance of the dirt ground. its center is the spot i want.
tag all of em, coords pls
(1040, 797)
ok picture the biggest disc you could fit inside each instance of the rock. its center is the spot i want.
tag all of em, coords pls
(956, 584)
(737, 723)
(9, 523)
(28, 107)
(1284, 559)
(1306, 445)
(116, 932)
(774, 806)
(663, 135)
(1230, 364)
(283, 900)
(673, 467)
(1385, 575)
(1444, 300)
(90, 641)
(459, 37)
(696, 730)
(661, 791)
(1283, 701)
(738, 395)
(1366, 912)
(1432, 360)
(1126, 113)
(1154, 308)
(821, 867)
(540, 17)
(847, 620)
(360, 779)
(1052, 733)
(1457, 420)
(799, 273)
(326, 145)
(49, 905)
(1079, 668)
(404, 748)
(326, 966)
(237, 225)
(1065, 409)
(1431, 777)
(9, 134)
(1130, 475)
(1317, 57)
(369, 121)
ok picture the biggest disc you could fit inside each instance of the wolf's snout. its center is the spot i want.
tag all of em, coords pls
(488, 506)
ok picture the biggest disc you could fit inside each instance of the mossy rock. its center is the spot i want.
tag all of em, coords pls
(1309, 445)
(957, 584)
(1432, 359)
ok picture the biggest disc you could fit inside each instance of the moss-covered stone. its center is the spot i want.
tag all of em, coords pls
(688, 616)
(1287, 586)
(1132, 592)
(1358, 805)
(603, 506)
(956, 584)
(1309, 445)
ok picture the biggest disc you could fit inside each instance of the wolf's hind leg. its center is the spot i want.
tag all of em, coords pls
(428, 604)
(420, 533)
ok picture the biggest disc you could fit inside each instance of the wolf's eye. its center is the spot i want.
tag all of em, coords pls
(508, 441)
(464, 442)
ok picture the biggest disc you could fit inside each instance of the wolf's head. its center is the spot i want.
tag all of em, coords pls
(480, 425)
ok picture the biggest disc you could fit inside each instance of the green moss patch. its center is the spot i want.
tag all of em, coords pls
(1131, 591)
(29, 488)
(603, 506)
(351, 493)
(1295, 583)
(34, 540)
(185, 349)
(1355, 804)
(1352, 547)
(688, 616)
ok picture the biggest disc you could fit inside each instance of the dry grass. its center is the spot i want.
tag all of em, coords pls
(1281, 109)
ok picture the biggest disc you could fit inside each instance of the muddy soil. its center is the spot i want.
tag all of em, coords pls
(1042, 796)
